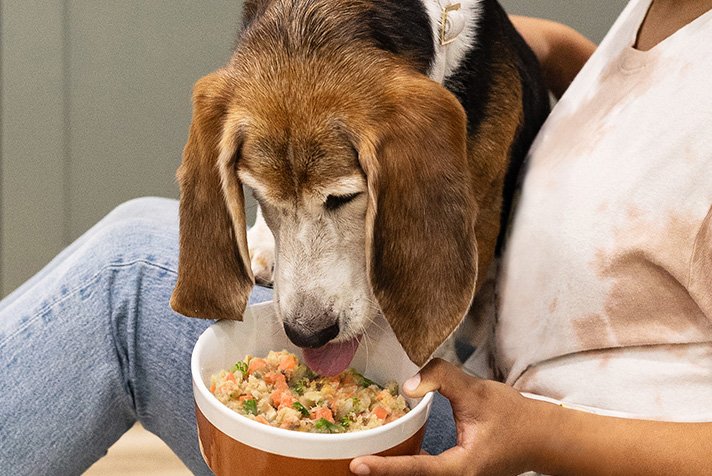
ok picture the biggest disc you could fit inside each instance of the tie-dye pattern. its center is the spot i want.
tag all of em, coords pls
(605, 289)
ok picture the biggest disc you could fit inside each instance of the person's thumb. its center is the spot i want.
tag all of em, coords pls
(451, 382)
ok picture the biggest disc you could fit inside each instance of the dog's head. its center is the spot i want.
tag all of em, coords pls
(359, 164)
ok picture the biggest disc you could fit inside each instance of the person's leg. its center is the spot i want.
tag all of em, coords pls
(91, 345)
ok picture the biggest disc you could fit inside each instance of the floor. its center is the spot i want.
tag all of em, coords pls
(138, 452)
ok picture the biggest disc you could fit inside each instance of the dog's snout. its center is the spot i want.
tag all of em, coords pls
(309, 339)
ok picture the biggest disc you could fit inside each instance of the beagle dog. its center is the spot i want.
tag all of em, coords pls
(382, 140)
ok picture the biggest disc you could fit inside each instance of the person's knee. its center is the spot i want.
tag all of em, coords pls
(143, 229)
(163, 210)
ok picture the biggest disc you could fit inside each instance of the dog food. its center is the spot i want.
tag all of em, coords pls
(281, 391)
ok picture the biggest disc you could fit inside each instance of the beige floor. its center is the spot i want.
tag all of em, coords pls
(138, 452)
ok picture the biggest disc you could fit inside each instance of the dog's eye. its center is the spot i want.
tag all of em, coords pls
(335, 201)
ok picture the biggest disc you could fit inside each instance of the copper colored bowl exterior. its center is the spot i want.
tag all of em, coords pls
(228, 457)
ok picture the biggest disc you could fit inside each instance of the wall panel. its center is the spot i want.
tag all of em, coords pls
(32, 135)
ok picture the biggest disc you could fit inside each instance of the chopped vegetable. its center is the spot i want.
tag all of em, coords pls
(288, 363)
(323, 413)
(250, 406)
(302, 409)
(299, 387)
(280, 391)
(363, 381)
(380, 412)
(256, 365)
(240, 366)
(325, 426)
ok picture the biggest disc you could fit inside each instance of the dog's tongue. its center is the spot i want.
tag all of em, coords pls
(331, 359)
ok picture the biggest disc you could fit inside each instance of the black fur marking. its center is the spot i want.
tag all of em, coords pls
(403, 28)
(471, 84)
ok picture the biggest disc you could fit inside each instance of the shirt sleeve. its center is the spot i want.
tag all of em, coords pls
(700, 280)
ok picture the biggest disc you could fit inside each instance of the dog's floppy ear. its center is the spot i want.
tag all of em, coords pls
(214, 275)
(421, 247)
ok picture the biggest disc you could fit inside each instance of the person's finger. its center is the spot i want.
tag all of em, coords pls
(451, 382)
(402, 465)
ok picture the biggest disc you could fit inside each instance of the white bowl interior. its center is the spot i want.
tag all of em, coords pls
(381, 360)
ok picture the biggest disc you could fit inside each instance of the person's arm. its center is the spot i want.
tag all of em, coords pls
(502, 433)
(561, 50)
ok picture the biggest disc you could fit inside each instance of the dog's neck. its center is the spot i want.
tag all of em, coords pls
(455, 37)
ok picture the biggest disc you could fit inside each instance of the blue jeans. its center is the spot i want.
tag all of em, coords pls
(90, 345)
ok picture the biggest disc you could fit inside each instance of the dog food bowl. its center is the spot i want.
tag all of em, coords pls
(238, 446)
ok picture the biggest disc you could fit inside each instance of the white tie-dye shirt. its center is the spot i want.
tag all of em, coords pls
(605, 290)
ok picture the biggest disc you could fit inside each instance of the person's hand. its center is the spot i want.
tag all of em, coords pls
(492, 419)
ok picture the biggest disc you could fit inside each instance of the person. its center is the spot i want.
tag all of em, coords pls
(89, 345)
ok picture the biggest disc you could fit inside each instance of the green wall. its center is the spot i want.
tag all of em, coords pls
(95, 106)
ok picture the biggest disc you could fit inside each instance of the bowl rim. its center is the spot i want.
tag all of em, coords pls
(218, 411)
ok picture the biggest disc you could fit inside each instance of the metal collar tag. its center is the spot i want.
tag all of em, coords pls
(450, 25)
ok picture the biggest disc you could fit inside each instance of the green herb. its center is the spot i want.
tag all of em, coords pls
(363, 381)
(325, 426)
(302, 409)
(301, 377)
(299, 386)
(345, 422)
(250, 406)
(240, 366)
(355, 402)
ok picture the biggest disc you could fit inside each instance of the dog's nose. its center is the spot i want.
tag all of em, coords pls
(311, 339)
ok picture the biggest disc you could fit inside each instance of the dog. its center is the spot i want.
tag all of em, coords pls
(382, 140)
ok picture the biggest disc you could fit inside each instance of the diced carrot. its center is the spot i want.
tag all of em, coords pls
(212, 387)
(261, 419)
(380, 412)
(286, 400)
(288, 362)
(280, 392)
(275, 378)
(242, 398)
(230, 376)
(255, 365)
(322, 412)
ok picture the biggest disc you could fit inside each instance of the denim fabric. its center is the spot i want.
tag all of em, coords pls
(440, 432)
(90, 345)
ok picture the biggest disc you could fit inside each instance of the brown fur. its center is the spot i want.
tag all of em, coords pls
(298, 113)
(214, 276)
(489, 151)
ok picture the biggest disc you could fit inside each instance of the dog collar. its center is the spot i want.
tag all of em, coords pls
(452, 22)
(454, 25)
